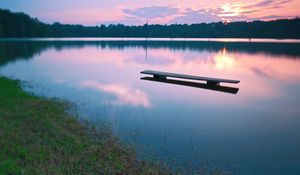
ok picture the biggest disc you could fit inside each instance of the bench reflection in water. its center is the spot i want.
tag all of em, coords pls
(211, 83)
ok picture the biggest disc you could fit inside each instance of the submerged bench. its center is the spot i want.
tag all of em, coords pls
(209, 81)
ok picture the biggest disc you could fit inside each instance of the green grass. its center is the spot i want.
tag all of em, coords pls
(37, 136)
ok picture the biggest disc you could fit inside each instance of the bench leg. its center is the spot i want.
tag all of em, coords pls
(213, 83)
(159, 77)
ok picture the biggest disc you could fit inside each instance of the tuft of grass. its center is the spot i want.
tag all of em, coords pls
(37, 136)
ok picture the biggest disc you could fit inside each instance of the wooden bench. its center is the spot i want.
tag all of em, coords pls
(209, 81)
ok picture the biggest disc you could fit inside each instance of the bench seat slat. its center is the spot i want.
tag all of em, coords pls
(190, 77)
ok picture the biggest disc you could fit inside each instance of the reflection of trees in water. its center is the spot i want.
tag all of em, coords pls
(12, 51)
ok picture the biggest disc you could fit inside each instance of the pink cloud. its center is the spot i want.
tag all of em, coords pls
(94, 12)
(236, 11)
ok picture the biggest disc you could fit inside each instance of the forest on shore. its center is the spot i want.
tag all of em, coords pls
(22, 25)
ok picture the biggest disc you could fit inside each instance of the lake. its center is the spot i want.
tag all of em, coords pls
(255, 131)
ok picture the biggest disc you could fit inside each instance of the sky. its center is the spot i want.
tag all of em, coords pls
(137, 12)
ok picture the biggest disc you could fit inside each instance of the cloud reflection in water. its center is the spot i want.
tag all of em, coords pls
(125, 94)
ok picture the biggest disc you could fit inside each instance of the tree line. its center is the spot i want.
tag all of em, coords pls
(22, 25)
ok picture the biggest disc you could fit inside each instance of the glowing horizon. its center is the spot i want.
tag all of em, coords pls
(93, 12)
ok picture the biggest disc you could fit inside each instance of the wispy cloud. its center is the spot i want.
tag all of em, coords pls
(235, 11)
(152, 12)
(197, 16)
(238, 11)
(267, 4)
(155, 14)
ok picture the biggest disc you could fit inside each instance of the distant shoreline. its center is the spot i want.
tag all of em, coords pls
(253, 40)
(22, 25)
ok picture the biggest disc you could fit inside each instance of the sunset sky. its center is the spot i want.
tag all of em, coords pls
(135, 12)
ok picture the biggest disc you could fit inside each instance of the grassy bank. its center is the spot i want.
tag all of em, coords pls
(37, 136)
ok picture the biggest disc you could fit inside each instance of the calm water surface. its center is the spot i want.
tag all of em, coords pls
(255, 131)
